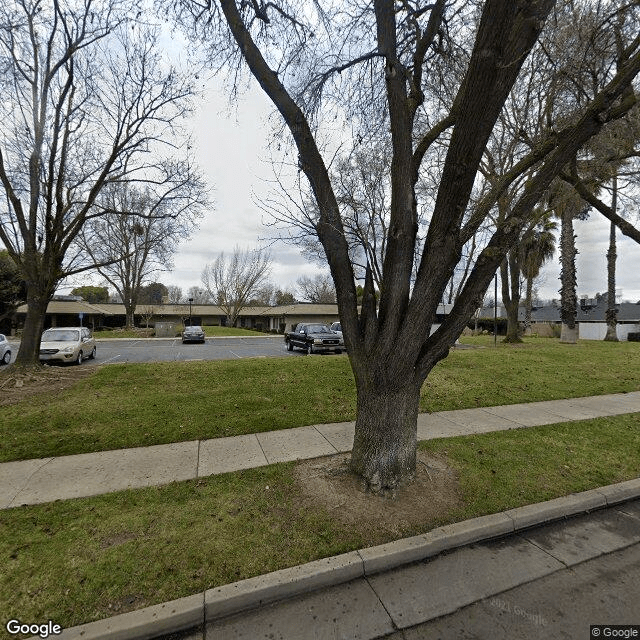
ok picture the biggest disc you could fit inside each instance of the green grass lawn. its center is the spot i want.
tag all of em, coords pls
(80, 560)
(132, 405)
(232, 332)
(147, 333)
(123, 333)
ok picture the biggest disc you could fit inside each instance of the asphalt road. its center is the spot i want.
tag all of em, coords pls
(554, 581)
(604, 592)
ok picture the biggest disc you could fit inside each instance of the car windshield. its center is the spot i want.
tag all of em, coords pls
(336, 326)
(317, 328)
(194, 328)
(60, 335)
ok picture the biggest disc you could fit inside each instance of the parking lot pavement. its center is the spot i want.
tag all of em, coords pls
(172, 350)
(110, 351)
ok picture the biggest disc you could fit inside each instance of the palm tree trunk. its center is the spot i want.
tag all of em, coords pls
(612, 312)
(568, 297)
(528, 303)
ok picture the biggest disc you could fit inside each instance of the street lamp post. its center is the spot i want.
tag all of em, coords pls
(190, 301)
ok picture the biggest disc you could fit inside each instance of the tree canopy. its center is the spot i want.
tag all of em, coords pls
(91, 293)
(88, 100)
(430, 81)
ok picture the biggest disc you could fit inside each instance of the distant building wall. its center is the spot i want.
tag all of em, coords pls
(598, 330)
(544, 329)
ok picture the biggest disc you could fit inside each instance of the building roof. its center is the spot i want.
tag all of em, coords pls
(627, 312)
(64, 307)
(306, 308)
(182, 309)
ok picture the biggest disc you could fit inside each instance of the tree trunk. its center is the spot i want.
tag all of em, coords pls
(510, 277)
(528, 304)
(568, 297)
(612, 312)
(611, 315)
(129, 316)
(29, 352)
(384, 448)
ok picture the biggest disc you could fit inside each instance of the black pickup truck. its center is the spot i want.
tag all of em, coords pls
(314, 338)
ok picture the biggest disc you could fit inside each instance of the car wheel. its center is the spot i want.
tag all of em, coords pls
(6, 358)
(92, 355)
(309, 349)
(79, 358)
(289, 346)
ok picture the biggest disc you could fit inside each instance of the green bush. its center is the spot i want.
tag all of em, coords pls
(486, 324)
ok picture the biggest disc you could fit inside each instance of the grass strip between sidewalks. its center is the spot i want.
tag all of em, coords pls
(133, 405)
(86, 559)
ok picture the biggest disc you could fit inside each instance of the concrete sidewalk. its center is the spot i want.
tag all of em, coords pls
(47, 479)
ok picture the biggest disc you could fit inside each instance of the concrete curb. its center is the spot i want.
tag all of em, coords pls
(192, 611)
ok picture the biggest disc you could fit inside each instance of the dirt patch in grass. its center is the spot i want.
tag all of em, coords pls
(117, 539)
(327, 483)
(18, 384)
(126, 603)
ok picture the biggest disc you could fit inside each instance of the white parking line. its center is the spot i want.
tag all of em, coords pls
(110, 359)
(235, 354)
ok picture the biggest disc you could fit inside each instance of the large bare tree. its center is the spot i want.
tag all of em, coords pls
(87, 100)
(381, 67)
(140, 230)
(318, 290)
(231, 281)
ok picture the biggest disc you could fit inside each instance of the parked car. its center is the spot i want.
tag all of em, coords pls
(5, 350)
(193, 333)
(337, 327)
(67, 344)
(314, 338)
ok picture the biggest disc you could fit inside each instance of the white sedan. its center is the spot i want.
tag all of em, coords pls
(67, 344)
(5, 350)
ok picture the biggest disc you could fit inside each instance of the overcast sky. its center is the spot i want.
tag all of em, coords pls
(232, 150)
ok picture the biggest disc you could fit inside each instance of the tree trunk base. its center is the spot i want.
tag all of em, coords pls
(384, 447)
(611, 335)
(568, 335)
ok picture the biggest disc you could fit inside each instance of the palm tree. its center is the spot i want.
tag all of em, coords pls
(536, 247)
(612, 311)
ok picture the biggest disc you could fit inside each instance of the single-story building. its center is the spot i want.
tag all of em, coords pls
(67, 311)
(70, 311)
(590, 318)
